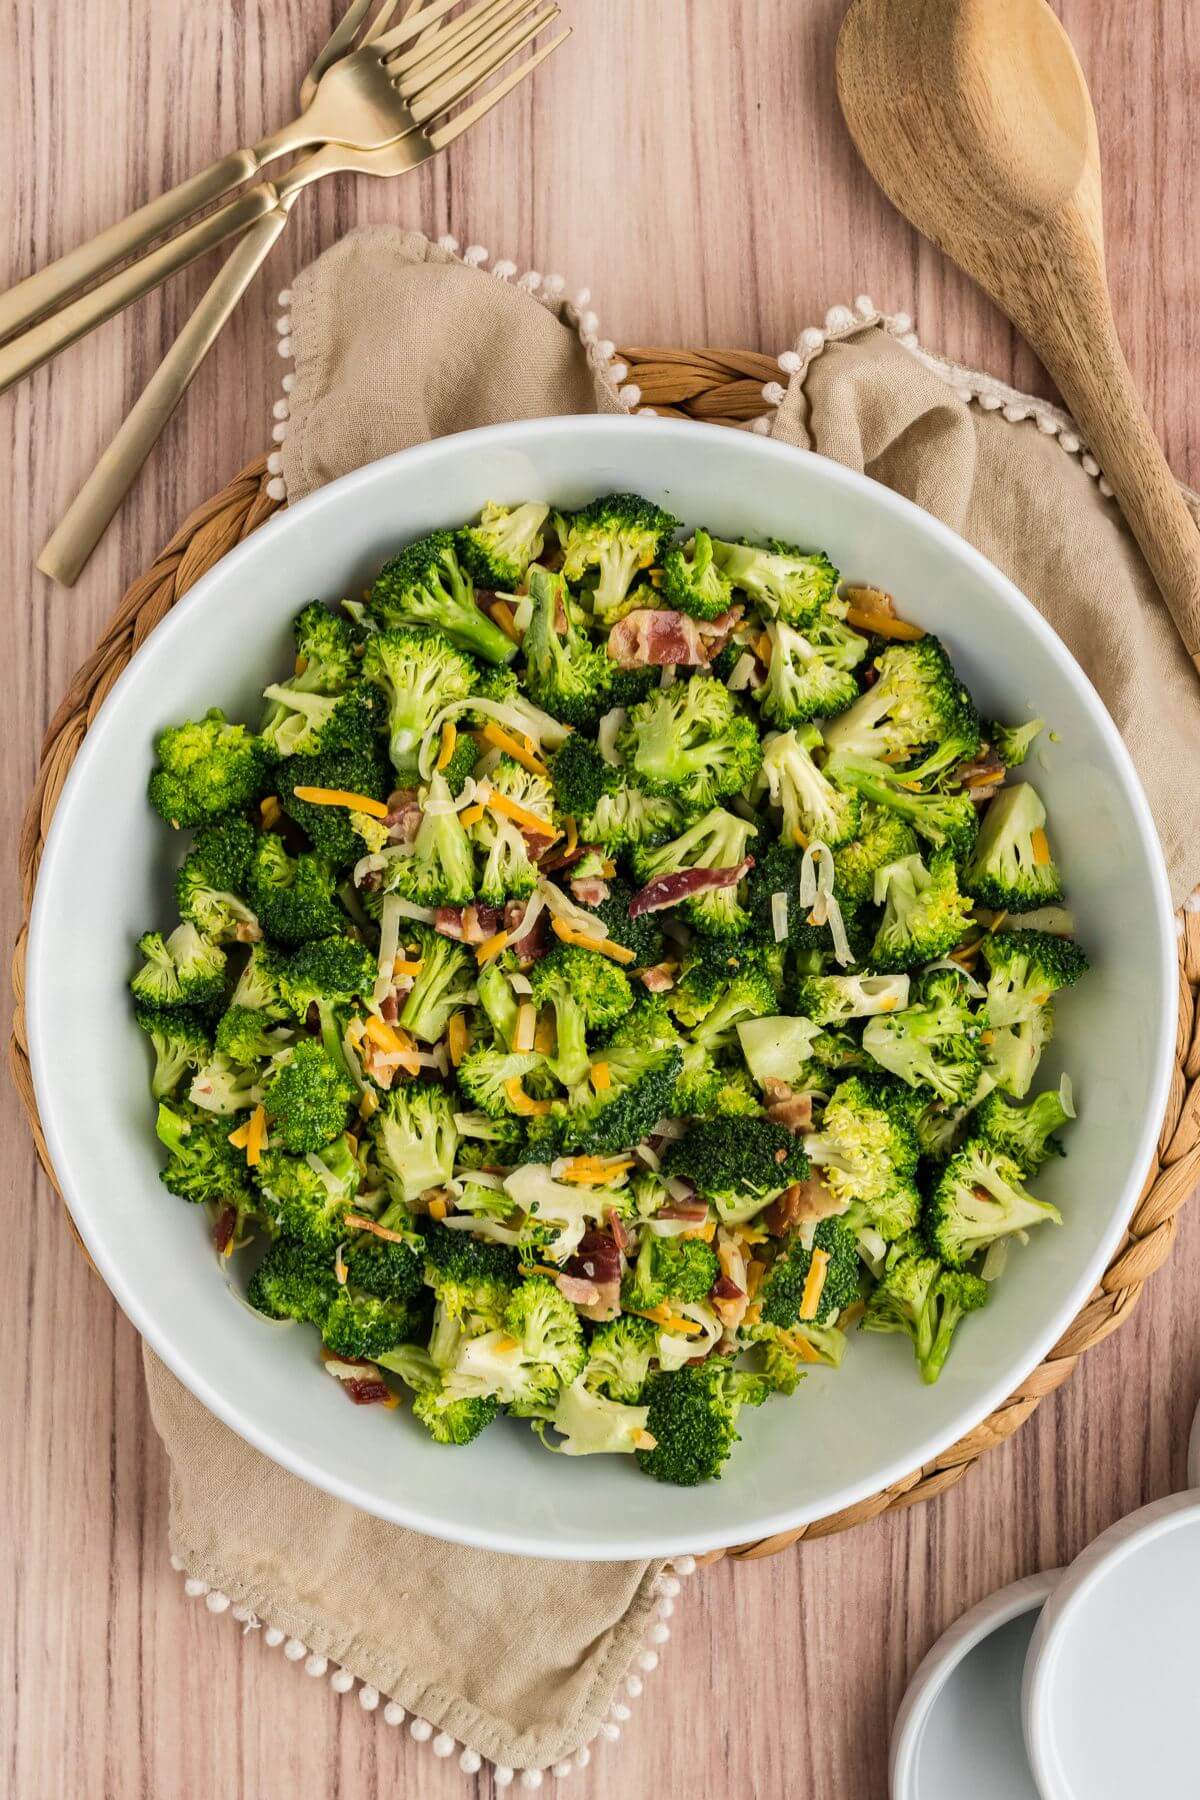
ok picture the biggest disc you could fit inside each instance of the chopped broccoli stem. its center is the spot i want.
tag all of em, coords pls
(1011, 867)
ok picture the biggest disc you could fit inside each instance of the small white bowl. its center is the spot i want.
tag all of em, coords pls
(1111, 1699)
(958, 1731)
(106, 876)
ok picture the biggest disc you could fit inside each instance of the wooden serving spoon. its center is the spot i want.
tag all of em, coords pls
(975, 119)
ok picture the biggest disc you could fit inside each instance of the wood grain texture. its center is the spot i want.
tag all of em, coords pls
(688, 163)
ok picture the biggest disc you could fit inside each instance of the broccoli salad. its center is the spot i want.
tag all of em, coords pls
(613, 969)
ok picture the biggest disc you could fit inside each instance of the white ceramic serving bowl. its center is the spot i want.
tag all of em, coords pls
(106, 876)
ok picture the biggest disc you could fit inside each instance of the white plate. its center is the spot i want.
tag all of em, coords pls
(1112, 1680)
(106, 874)
(1193, 1463)
(958, 1731)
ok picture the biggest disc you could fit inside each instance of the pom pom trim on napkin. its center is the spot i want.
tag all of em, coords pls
(343, 1681)
(549, 290)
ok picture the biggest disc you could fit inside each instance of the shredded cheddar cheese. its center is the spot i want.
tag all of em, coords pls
(543, 1037)
(321, 796)
(525, 754)
(1041, 847)
(470, 815)
(270, 812)
(799, 1345)
(814, 1284)
(458, 1037)
(523, 1036)
(594, 1171)
(404, 966)
(502, 614)
(881, 624)
(523, 1103)
(241, 1136)
(799, 837)
(256, 1133)
(601, 1079)
(437, 1209)
(449, 740)
(572, 835)
(490, 947)
(604, 946)
(521, 815)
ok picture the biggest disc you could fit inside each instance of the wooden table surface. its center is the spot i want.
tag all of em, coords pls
(687, 162)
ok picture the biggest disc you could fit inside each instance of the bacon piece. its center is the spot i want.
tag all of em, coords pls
(616, 1226)
(575, 1289)
(722, 625)
(224, 1229)
(653, 636)
(729, 1291)
(389, 1009)
(793, 1111)
(532, 943)
(590, 890)
(657, 979)
(598, 1263)
(668, 890)
(724, 1289)
(797, 1204)
(469, 924)
(312, 1019)
(366, 1391)
(403, 818)
(695, 1212)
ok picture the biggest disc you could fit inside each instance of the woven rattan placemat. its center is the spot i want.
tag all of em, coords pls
(724, 387)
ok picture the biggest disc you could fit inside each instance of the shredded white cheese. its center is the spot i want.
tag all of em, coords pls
(606, 734)
(743, 672)
(408, 909)
(779, 916)
(520, 984)
(389, 946)
(329, 1179)
(667, 677)
(994, 1262)
(1066, 1094)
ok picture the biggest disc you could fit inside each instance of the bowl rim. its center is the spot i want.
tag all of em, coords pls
(72, 1176)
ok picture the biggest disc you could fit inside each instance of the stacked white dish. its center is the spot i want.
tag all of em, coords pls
(1076, 1684)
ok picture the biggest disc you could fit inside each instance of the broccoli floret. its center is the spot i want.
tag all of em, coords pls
(580, 777)
(669, 1268)
(738, 1163)
(306, 1098)
(463, 758)
(203, 1167)
(308, 1207)
(717, 841)
(866, 1147)
(833, 640)
(616, 536)
(735, 1097)
(800, 684)
(786, 1352)
(934, 1042)
(693, 1419)
(301, 723)
(537, 1349)
(325, 650)
(218, 913)
(224, 851)
(918, 702)
(642, 1063)
(1024, 1133)
(690, 742)
(419, 673)
(326, 973)
(498, 1000)
(384, 1269)
(452, 1421)
(247, 1035)
(924, 915)
(942, 819)
(883, 838)
(258, 984)
(1012, 868)
(783, 1292)
(485, 1073)
(710, 965)
(828, 999)
(440, 869)
(1012, 743)
(1027, 967)
(1012, 1053)
(293, 1282)
(627, 817)
(564, 671)
(415, 1136)
(693, 583)
(182, 970)
(443, 984)
(500, 547)
(619, 1357)
(510, 871)
(358, 770)
(980, 1196)
(587, 992)
(920, 1298)
(745, 994)
(589, 1423)
(293, 896)
(180, 1041)
(785, 582)
(425, 585)
(468, 1274)
(812, 807)
(205, 768)
(500, 688)
(361, 1326)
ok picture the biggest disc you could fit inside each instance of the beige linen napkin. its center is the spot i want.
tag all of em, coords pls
(395, 340)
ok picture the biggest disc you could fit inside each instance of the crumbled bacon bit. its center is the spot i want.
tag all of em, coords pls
(792, 1111)
(224, 1229)
(312, 1019)
(725, 1289)
(590, 890)
(532, 944)
(797, 1204)
(656, 637)
(389, 1009)
(658, 978)
(403, 819)
(668, 890)
(469, 924)
(368, 1391)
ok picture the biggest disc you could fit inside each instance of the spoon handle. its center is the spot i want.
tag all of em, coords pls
(1067, 319)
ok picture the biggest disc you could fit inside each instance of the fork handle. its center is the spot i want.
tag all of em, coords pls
(28, 352)
(88, 517)
(51, 286)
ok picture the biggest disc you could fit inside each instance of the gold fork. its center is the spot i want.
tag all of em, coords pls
(360, 102)
(448, 86)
